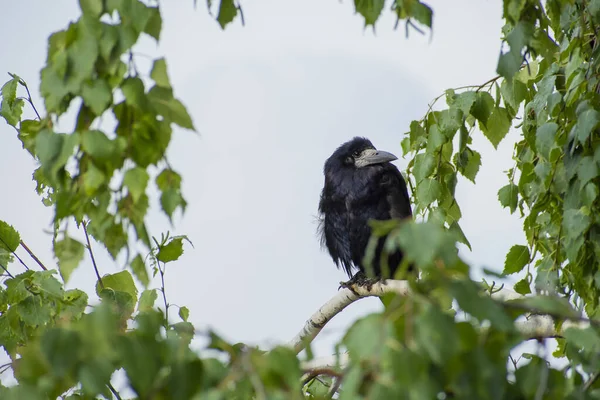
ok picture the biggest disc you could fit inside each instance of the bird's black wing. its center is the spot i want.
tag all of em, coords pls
(394, 186)
(333, 227)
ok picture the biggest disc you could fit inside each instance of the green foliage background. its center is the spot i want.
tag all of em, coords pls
(417, 348)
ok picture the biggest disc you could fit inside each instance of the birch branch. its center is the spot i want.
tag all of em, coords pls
(533, 327)
(337, 303)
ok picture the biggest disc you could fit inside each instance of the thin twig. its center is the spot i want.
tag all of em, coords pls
(239, 8)
(335, 387)
(114, 391)
(14, 254)
(89, 246)
(164, 294)
(313, 373)
(29, 100)
(37, 260)
(591, 381)
(6, 270)
(5, 367)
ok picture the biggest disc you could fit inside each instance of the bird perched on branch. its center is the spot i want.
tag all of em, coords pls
(360, 184)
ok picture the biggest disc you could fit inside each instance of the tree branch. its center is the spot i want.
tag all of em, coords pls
(89, 246)
(337, 303)
(534, 327)
(37, 260)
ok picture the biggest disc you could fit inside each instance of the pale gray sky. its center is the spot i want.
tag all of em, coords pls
(272, 100)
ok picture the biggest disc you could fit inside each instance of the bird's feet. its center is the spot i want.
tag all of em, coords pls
(359, 279)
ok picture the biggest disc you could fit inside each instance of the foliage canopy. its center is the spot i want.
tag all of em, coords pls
(547, 87)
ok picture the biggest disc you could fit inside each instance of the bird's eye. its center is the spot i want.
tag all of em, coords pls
(356, 153)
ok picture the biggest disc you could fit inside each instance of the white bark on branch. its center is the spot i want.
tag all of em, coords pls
(337, 303)
(535, 326)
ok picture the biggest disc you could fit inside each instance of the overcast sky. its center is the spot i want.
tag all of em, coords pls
(271, 101)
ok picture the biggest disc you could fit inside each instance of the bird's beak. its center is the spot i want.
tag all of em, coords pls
(373, 156)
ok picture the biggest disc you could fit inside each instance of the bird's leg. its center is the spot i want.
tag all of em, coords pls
(359, 279)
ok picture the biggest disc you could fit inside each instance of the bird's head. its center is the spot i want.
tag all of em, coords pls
(358, 153)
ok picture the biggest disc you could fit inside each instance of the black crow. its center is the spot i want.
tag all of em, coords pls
(360, 184)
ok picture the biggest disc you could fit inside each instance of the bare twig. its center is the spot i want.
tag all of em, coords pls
(37, 260)
(588, 384)
(6, 270)
(89, 246)
(164, 294)
(114, 391)
(313, 373)
(335, 387)
(29, 100)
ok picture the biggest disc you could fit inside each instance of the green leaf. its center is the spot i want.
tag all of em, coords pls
(465, 101)
(587, 170)
(121, 303)
(586, 339)
(171, 251)
(17, 287)
(11, 107)
(120, 282)
(185, 330)
(97, 95)
(436, 333)
(587, 121)
(136, 180)
(473, 162)
(508, 196)
(497, 126)
(169, 107)
(45, 283)
(522, 287)
(425, 242)
(424, 166)
(62, 349)
(9, 237)
(133, 90)
(422, 13)
(428, 191)
(510, 62)
(138, 267)
(74, 304)
(106, 153)
(54, 150)
(227, 12)
(93, 179)
(516, 259)
(479, 305)
(33, 311)
(115, 239)
(93, 8)
(9, 90)
(82, 54)
(184, 313)
(69, 253)
(546, 304)
(575, 223)
(147, 300)
(159, 73)
(154, 24)
(483, 107)
(171, 199)
(361, 341)
(450, 121)
(169, 182)
(369, 9)
(545, 139)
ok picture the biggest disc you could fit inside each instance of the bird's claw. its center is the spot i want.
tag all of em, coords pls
(359, 279)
